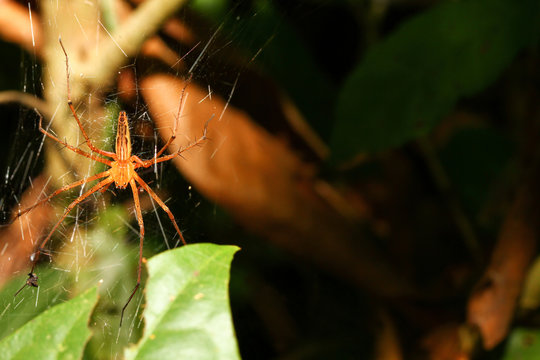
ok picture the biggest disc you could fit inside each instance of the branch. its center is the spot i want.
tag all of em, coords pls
(492, 305)
(128, 39)
(27, 100)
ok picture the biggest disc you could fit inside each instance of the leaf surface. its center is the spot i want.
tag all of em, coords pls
(187, 312)
(59, 333)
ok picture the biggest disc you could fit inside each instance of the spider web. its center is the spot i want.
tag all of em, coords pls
(98, 240)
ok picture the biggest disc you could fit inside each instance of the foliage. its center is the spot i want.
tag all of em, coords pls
(407, 83)
(400, 134)
(187, 313)
(523, 344)
(58, 333)
(30, 302)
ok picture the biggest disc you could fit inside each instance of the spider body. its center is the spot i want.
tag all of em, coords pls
(122, 172)
(123, 139)
(123, 166)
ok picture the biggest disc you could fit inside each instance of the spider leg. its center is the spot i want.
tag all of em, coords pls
(72, 148)
(70, 207)
(103, 189)
(180, 107)
(62, 189)
(150, 162)
(31, 281)
(141, 240)
(70, 103)
(161, 203)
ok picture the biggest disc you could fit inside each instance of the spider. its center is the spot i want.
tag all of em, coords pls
(122, 172)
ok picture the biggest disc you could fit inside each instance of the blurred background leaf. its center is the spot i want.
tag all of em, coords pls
(409, 81)
(523, 344)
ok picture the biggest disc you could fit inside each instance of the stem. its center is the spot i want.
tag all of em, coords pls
(27, 100)
(126, 41)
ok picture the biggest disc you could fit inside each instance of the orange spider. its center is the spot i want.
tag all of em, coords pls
(122, 172)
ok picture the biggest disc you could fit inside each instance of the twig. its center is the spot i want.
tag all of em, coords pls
(126, 41)
(492, 305)
(28, 100)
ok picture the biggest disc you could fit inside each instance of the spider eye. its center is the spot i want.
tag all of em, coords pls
(122, 117)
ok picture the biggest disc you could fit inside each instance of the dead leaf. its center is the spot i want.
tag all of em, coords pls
(20, 238)
(266, 186)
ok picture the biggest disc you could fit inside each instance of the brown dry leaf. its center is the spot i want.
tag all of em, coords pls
(15, 26)
(263, 184)
(387, 343)
(449, 342)
(19, 239)
(492, 304)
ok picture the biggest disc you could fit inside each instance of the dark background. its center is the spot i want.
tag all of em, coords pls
(428, 111)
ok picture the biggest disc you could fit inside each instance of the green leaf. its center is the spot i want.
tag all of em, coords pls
(59, 333)
(114, 264)
(523, 344)
(407, 83)
(30, 302)
(187, 311)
